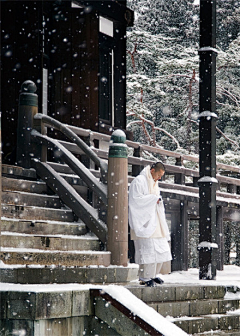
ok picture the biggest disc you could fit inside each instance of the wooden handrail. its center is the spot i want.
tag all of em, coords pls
(185, 157)
(139, 161)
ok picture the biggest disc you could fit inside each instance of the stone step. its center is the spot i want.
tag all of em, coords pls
(43, 227)
(12, 184)
(30, 199)
(193, 307)
(50, 242)
(63, 275)
(36, 213)
(22, 256)
(18, 172)
(220, 333)
(208, 323)
(184, 292)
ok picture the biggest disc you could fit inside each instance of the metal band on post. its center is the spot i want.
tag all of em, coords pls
(28, 107)
(117, 218)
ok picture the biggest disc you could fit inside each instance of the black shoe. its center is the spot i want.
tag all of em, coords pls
(158, 281)
(149, 283)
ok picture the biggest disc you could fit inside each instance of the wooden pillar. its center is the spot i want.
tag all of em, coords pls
(179, 238)
(28, 107)
(220, 238)
(117, 217)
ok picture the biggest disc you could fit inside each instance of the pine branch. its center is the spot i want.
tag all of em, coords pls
(223, 134)
(229, 95)
(154, 128)
(132, 54)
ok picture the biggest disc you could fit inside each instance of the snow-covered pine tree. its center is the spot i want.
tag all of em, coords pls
(163, 78)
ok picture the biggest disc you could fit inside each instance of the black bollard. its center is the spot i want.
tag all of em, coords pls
(207, 142)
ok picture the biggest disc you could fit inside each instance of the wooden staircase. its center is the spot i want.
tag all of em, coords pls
(41, 236)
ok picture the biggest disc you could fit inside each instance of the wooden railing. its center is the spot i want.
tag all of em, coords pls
(179, 188)
(58, 184)
(177, 173)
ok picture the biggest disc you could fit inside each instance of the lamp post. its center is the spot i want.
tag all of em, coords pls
(207, 142)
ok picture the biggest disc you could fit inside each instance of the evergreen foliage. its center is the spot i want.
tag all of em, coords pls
(163, 80)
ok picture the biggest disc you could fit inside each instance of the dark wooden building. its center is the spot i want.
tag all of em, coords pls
(75, 52)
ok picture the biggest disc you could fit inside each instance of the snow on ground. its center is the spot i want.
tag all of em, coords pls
(229, 276)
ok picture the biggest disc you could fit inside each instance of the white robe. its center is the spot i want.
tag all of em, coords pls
(148, 223)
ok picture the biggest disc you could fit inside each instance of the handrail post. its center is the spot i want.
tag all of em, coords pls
(179, 178)
(135, 168)
(28, 107)
(40, 151)
(117, 217)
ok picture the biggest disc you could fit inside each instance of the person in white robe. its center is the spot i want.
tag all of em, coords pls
(147, 220)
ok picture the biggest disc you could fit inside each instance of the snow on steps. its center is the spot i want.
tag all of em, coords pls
(38, 274)
(36, 213)
(30, 186)
(114, 303)
(43, 227)
(79, 309)
(26, 205)
(22, 256)
(46, 245)
(195, 308)
(220, 333)
(37, 200)
(50, 242)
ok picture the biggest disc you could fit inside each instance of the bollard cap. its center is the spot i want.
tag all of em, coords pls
(117, 146)
(118, 136)
(28, 95)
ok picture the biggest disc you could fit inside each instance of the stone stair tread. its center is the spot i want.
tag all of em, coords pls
(42, 242)
(13, 256)
(22, 198)
(206, 323)
(42, 221)
(41, 274)
(15, 171)
(30, 186)
(32, 250)
(43, 227)
(28, 193)
(36, 213)
(87, 236)
(210, 316)
(219, 333)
